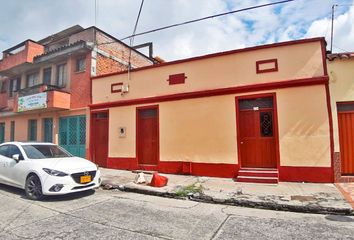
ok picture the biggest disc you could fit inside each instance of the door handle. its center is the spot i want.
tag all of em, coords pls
(241, 142)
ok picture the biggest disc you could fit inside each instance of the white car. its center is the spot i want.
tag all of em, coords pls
(45, 169)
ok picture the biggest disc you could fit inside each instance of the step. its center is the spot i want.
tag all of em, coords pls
(258, 169)
(250, 179)
(258, 174)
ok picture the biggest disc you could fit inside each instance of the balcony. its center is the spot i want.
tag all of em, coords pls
(41, 97)
(20, 55)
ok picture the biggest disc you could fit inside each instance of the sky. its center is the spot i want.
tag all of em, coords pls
(36, 19)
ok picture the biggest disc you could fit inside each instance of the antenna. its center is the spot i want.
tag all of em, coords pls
(335, 5)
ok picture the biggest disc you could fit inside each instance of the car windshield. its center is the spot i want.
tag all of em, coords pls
(45, 151)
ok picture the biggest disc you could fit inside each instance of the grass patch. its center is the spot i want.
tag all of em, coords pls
(190, 189)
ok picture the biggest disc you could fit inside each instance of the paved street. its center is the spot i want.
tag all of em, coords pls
(120, 215)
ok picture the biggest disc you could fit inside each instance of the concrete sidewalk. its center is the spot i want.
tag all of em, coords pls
(297, 197)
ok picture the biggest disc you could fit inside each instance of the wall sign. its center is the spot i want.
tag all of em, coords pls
(32, 102)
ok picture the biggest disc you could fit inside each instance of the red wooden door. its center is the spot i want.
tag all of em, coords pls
(100, 138)
(346, 141)
(147, 133)
(256, 128)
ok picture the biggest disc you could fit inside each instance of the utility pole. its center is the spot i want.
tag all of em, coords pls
(335, 5)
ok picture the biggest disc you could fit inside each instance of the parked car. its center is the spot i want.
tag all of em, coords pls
(45, 169)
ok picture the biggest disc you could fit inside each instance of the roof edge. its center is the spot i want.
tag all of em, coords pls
(217, 54)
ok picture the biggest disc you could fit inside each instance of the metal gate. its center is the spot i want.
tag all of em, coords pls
(2, 132)
(72, 134)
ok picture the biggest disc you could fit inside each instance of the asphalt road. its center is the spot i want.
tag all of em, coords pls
(117, 215)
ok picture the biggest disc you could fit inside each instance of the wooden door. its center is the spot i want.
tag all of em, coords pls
(346, 136)
(100, 138)
(147, 136)
(256, 128)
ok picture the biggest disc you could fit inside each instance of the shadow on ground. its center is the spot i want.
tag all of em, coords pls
(66, 197)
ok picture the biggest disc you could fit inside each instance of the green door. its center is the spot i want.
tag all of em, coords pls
(2, 132)
(72, 134)
(48, 129)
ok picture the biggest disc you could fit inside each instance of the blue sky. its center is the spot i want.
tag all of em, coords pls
(37, 19)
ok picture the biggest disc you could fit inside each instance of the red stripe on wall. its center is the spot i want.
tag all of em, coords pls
(286, 174)
(306, 174)
(216, 92)
(122, 163)
(197, 169)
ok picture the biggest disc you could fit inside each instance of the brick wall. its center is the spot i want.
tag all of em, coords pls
(80, 83)
(120, 51)
(106, 65)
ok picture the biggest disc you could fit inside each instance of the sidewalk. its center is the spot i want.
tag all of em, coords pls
(297, 197)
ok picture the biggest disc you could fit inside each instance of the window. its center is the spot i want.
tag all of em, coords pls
(61, 75)
(2, 132)
(12, 131)
(80, 64)
(47, 76)
(4, 150)
(45, 151)
(32, 79)
(32, 130)
(12, 150)
(47, 129)
(266, 124)
(14, 86)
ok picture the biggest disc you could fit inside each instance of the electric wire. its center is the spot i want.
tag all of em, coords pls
(203, 18)
(132, 37)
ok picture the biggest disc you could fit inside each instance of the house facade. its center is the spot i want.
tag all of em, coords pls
(45, 85)
(341, 75)
(259, 114)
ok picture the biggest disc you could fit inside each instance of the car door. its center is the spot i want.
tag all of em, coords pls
(3, 161)
(15, 171)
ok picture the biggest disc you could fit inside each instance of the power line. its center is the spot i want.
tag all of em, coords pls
(204, 18)
(208, 17)
(132, 38)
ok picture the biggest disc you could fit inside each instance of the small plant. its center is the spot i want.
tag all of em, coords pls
(190, 189)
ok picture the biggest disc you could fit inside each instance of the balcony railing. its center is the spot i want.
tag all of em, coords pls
(37, 89)
(41, 97)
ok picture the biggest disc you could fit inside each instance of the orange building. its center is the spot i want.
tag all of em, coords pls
(259, 114)
(45, 85)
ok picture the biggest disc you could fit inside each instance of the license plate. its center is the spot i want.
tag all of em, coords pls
(85, 179)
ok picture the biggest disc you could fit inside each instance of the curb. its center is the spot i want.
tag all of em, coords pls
(237, 202)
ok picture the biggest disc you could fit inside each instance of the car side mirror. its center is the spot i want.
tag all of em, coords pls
(16, 157)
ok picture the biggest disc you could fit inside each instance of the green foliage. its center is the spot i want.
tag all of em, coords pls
(190, 189)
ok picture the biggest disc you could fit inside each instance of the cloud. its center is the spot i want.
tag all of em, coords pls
(343, 39)
(37, 19)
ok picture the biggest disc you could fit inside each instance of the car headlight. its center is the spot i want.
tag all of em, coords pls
(55, 172)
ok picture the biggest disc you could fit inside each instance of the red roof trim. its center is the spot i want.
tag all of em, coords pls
(215, 92)
(320, 39)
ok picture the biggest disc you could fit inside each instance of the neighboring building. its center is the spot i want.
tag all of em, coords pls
(258, 114)
(341, 75)
(46, 85)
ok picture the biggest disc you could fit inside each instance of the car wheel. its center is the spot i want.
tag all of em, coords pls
(33, 188)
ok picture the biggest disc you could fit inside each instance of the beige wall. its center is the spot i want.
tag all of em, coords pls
(238, 69)
(341, 74)
(204, 129)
